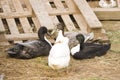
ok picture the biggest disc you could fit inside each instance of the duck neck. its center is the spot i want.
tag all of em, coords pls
(81, 46)
(41, 37)
(60, 36)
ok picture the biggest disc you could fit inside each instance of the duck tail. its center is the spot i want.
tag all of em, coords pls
(105, 48)
(12, 51)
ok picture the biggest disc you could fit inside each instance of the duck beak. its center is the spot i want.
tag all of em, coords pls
(53, 31)
(49, 34)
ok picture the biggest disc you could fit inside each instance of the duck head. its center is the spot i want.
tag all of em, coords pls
(42, 31)
(80, 38)
(56, 30)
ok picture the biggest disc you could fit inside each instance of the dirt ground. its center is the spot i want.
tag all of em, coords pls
(100, 68)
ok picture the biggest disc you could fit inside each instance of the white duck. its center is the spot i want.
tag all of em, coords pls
(59, 56)
(104, 4)
(112, 3)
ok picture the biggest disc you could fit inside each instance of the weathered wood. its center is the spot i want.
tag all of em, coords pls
(41, 13)
(12, 7)
(15, 14)
(12, 13)
(81, 22)
(55, 20)
(2, 29)
(18, 37)
(36, 22)
(2, 32)
(88, 14)
(11, 22)
(107, 14)
(25, 25)
(69, 24)
(60, 9)
(26, 5)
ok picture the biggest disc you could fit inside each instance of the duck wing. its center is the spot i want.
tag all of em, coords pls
(37, 48)
(29, 49)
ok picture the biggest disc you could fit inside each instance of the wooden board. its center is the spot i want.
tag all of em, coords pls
(27, 36)
(81, 22)
(88, 14)
(69, 24)
(107, 14)
(2, 29)
(2, 32)
(41, 13)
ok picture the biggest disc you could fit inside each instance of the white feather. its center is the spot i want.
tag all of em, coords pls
(59, 56)
(104, 4)
(48, 41)
(75, 49)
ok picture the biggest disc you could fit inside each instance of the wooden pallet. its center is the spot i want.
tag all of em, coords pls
(21, 19)
(17, 20)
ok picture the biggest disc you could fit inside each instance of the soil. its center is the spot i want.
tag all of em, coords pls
(106, 67)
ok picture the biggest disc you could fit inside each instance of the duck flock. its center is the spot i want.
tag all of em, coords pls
(67, 45)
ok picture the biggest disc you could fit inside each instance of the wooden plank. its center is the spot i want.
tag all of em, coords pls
(88, 14)
(12, 12)
(48, 5)
(12, 26)
(11, 22)
(12, 7)
(18, 5)
(2, 29)
(15, 14)
(55, 20)
(26, 5)
(107, 14)
(36, 22)
(41, 13)
(2, 32)
(71, 5)
(61, 10)
(81, 22)
(26, 36)
(24, 22)
(59, 5)
(25, 25)
(68, 22)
